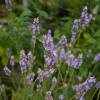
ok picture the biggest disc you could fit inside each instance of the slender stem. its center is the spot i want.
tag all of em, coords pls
(71, 77)
(60, 73)
(98, 95)
(67, 71)
(94, 93)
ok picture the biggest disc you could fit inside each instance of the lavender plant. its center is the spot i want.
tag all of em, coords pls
(56, 79)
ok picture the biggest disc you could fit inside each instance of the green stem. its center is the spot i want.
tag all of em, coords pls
(98, 95)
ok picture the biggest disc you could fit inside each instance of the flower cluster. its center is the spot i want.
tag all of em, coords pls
(25, 60)
(74, 30)
(74, 62)
(96, 58)
(85, 18)
(50, 52)
(83, 22)
(7, 71)
(82, 88)
(43, 74)
(35, 29)
(30, 78)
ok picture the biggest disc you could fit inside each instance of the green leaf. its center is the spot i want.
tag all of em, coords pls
(91, 41)
(86, 35)
(4, 59)
(97, 34)
(42, 13)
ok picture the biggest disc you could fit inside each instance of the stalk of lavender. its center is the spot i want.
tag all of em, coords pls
(29, 59)
(23, 61)
(74, 31)
(74, 62)
(35, 29)
(85, 18)
(8, 4)
(50, 52)
(7, 71)
(82, 88)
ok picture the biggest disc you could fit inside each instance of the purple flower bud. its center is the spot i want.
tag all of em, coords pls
(46, 74)
(75, 28)
(54, 81)
(61, 97)
(62, 54)
(7, 71)
(63, 40)
(96, 58)
(98, 85)
(29, 59)
(12, 62)
(40, 74)
(23, 61)
(30, 78)
(48, 95)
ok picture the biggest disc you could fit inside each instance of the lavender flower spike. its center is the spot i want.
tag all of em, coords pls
(82, 88)
(35, 29)
(96, 58)
(74, 31)
(12, 62)
(50, 52)
(29, 59)
(7, 71)
(85, 18)
(23, 61)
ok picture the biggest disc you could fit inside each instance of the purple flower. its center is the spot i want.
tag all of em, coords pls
(35, 25)
(48, 95)
(35, 29)
(30, 78)
(23, 61)
(62, 55)
(85, 18)
(98, 85)
(40, 74)
(74, 62)
(54, 81)
(46, 74)
(70, 58)
(96, 58)
(7, 71)
(29, 59)
(61, 97)
(50, 52)
(63, 40)
(75, 28)
(82, 88)
(12, 62)
(51, 70)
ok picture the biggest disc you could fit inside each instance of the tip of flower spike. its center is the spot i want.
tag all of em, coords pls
(49, 31)
(85, 8)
